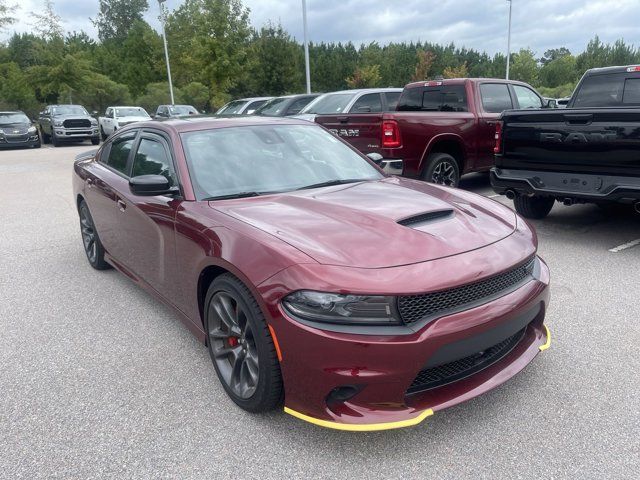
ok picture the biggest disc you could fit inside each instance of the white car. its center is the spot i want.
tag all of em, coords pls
(117, 117)
(365, 100)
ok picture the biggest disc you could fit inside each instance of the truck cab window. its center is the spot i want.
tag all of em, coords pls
(527, 98)
(495, 97)
(371, 102)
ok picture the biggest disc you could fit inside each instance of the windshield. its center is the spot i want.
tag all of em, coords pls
(272, 108)
(12, 118)
(131, 112)
(182, 110)
(329, 104)
(232, 108)
(68, 110)
(269, 158)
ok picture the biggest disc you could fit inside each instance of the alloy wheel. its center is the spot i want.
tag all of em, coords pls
(233, 345)
(444, 174)
(88, 235)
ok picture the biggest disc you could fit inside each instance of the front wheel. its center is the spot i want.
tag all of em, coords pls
(442, 169)
(46, 139)
(95, 141)
(90, 240)
(534, 207)
(54, 140)
(102, 134)
(241, 347)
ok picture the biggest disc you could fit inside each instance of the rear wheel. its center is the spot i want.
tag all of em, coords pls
(442, 169)
(241, 346)
(534, 207)
(90, 240)
(102, 134)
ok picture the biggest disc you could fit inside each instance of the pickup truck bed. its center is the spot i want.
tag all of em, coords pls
(574, 155)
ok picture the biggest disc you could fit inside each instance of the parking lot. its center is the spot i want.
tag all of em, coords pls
(99, 379)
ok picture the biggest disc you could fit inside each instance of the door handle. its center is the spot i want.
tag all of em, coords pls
(121, 205)
(343, 119)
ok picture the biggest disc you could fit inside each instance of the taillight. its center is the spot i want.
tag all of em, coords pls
(390, 134)
(498, 136)
(634, 69)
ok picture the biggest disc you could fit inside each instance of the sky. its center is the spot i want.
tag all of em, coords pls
(477, 24)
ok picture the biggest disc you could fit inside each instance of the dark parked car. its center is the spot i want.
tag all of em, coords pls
(588, 153)
(440, 130)
(363, 301)
(16, 130)
(243, 106)
(285, 106)
(63, 123)
(171, 111)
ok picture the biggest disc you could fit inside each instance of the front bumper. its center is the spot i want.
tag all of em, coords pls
(63, 133)
(26, 140)
(382, 368)
(586, 187)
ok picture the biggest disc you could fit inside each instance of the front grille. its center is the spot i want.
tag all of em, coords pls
(417, 307)
(76, 123)
(17, 138)
(464, 367)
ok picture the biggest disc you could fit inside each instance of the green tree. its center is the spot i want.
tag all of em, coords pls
(115, 18)
(15, 91)
(5, 18)
(158, 94)
(560, 71)
(99, 92)
(365, 77)
(554, 54)
(424, 65)
(524, 67)
(461, 71)
(48, 24)
(196, 94)
(141, 58)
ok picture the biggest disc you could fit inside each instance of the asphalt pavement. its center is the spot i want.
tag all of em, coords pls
(100, 380)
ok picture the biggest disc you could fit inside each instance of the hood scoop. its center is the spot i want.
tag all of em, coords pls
(421, 219)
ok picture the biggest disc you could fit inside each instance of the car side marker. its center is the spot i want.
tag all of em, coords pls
(362, 427)
(275, 342)
(547, 344)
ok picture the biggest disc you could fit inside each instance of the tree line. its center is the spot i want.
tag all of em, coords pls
(217, 55)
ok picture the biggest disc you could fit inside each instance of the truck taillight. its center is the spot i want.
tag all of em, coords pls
(498, 136)
(390, 134)
(635, 68)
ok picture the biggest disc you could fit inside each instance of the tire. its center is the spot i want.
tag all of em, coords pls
(442, 169)
(239, 341)
(533, 207)
(95, 141)
(54, 140)
(37, 145)
(90, 240)
(102, 134)
(46, 139)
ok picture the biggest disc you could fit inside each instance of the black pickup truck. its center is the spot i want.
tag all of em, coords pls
(586, 153)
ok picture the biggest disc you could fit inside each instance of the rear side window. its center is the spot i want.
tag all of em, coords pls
(119, 153)
(253, 106)
(443, 98)
(608, 90)
(371, 102)
(631, 95)
(495, 97)
(392, 100)
(527, 98)
(152, 159)
(298, 105)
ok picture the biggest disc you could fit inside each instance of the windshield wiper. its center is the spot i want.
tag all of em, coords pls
(233, 195)
(331, 183)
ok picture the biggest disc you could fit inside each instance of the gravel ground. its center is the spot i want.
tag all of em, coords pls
(99, 380)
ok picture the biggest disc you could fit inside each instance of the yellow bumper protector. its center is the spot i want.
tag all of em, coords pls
(362, 427)
(546, 344)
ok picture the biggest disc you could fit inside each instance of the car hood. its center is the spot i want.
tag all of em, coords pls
(133, 119)
(72, 117)
(15, 128)
(377, 224)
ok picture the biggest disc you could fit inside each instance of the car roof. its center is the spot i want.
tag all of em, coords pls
(250, 99)
(11, 112)
(365, 90)
(208, 122)
(614, 69)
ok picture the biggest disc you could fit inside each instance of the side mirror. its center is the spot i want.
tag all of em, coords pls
(375, 158)
(94, 113)
(550, 103)
(151, 185)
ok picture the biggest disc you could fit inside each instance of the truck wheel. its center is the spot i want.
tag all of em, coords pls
(95, 140)
(533, 207)
(46, 139)
(442, 169)
(54, 140)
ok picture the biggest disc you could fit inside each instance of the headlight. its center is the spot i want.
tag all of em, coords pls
(57, 123)
(94, 122)
(32, 130)
(343, 309)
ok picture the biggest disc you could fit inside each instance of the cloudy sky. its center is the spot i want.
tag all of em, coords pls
(478, 24)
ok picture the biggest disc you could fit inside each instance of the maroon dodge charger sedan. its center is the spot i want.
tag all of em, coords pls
(358, 300)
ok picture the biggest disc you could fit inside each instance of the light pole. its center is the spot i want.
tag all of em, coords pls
(509, 40)
(306, 45)
(163, 20)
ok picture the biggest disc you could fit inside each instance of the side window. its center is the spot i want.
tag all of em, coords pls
(527, 98)
(631, 93)
(108, 112)
(298, 105)
(371, 102)
(495, 97)
(253, 106)
(119, 153)
(392, 100)
(152, 159)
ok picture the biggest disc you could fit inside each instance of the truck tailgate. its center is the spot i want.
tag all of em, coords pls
(599, 141)
(362, 130)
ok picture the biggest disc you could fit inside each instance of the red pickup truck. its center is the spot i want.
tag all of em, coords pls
(440, 129)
